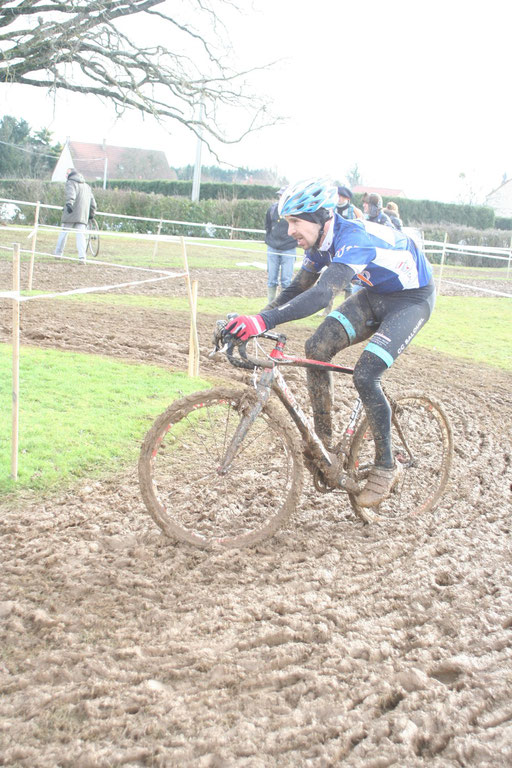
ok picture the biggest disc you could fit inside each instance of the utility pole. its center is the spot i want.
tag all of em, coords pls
(105, 165)
(196, 183)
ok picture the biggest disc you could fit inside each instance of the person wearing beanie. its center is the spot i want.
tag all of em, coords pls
(345, 206)
(281, 250)
(375, 212)
(391, 210)
(395, 301)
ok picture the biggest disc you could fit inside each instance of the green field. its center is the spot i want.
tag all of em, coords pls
(80, 415)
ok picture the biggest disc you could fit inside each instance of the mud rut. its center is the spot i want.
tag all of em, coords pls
(331, 644)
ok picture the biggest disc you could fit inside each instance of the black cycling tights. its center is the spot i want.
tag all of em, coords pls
(400, 316)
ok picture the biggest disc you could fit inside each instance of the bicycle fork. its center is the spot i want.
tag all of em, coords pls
(263, 390)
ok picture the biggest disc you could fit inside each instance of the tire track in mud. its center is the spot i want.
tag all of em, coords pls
(332, 643)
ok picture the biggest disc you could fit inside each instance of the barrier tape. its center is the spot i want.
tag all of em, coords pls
(478, 288)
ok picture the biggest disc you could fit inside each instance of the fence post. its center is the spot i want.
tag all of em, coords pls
(443, 256)
(16, 274)
(34, 238)
(509, 260)
(194, 348)
(155, 247)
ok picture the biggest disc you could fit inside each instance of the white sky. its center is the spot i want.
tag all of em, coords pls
(414, 92)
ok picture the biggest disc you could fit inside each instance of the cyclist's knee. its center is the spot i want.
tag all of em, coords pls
(327, 340)
(367, 374)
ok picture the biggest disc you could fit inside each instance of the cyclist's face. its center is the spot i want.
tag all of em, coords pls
(304, 232)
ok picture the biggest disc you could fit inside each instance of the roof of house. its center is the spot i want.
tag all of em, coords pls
(121, 162)
(360, 189)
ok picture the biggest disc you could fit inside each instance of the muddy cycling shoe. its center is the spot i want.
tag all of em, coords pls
(379, 485)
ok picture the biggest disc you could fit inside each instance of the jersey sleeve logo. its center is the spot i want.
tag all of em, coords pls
(364, 277)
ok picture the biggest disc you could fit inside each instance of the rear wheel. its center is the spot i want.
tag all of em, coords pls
(93, 239)
(180, 480)
(422, 443)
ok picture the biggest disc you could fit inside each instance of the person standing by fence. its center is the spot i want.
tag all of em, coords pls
(281, 250)
(79, 208)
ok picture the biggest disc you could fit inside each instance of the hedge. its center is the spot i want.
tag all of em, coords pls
(412, 212)
(230, 213)
(210, 190)
(431, 217)
(416, 212)
(503, 223)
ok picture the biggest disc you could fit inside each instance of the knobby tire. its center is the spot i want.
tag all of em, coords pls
(180, 482)
(428, 434)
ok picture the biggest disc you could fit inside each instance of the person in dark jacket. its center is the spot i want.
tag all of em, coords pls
(375, 212)
(79, 208)
(391, 210)
(281, 250)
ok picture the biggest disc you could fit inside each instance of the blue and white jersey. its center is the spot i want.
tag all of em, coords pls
(384, 259)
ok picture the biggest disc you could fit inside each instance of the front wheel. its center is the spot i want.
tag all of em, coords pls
(184, 489)
(423, 443)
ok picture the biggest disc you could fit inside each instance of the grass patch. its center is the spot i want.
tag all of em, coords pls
(471, 328)
(80, 415)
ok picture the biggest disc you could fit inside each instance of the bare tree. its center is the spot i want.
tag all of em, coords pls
(88, 46)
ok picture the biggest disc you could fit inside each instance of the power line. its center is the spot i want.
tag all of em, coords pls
(29, 151)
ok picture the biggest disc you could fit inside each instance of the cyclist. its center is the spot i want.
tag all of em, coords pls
(397, 299)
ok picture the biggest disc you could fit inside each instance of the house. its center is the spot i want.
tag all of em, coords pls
(106, 162)
(500, 199)
(360, 189)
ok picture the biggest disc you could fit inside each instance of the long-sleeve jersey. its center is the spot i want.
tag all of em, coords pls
(384, 259)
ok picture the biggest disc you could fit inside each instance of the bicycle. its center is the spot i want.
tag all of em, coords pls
(225, 467)
(93, 238)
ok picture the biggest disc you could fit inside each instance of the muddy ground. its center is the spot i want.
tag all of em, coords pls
(331, 644)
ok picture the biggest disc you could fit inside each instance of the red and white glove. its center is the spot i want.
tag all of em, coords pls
(245, 326)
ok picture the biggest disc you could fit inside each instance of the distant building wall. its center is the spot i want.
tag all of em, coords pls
(501, 199)
(64, 162)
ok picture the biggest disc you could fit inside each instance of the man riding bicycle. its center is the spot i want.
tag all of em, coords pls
(396, 301)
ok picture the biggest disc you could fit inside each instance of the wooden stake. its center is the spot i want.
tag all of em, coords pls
(16, 274)
(34, 239)
(194, 349)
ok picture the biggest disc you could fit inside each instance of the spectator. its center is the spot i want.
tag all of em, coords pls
(79, 208)
(281, 250)
(375, 212)
(345, 206)
(391, 210)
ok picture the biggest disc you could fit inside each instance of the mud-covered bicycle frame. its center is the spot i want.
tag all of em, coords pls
(328, 474)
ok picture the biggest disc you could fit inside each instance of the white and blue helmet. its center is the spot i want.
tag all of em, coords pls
(307, 197)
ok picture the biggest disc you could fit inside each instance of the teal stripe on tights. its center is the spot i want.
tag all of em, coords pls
(371, 347)
(345, 323)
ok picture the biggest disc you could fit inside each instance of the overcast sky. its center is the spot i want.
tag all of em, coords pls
(415, 93)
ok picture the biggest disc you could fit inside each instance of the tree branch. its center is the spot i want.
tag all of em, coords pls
(77, 46)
